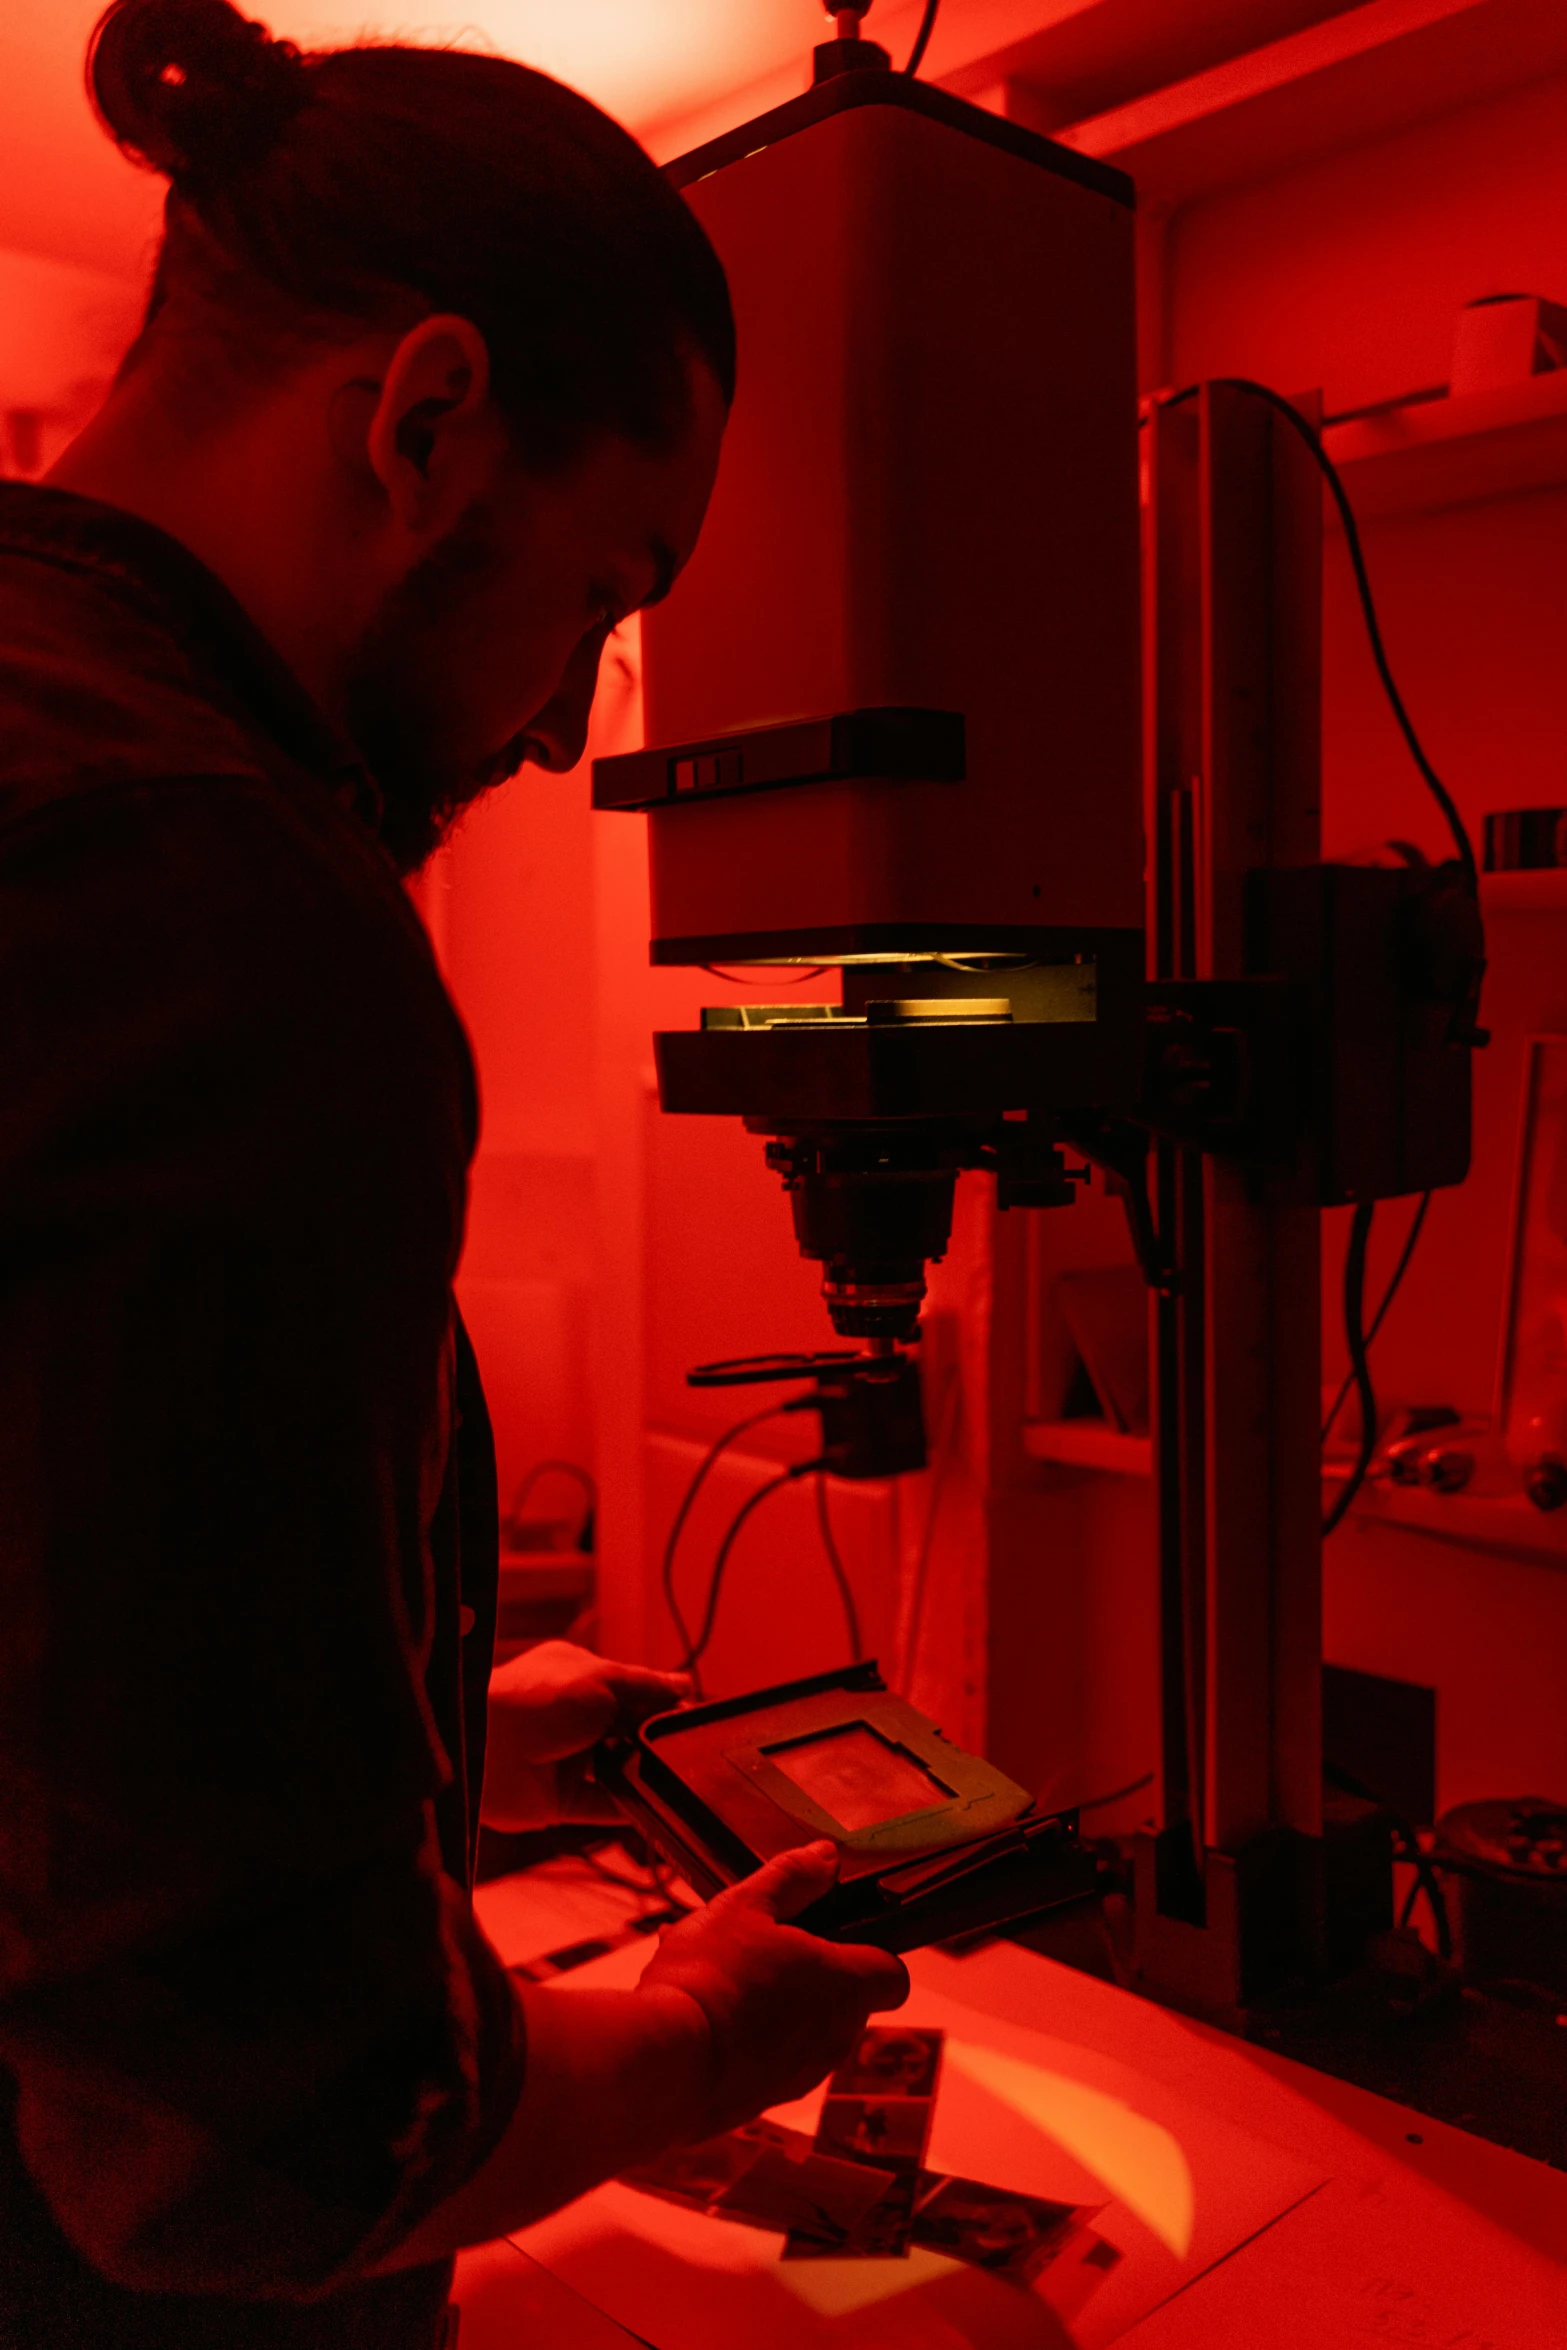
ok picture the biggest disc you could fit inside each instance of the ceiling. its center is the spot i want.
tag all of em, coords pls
(674, 70)
(1092, 58)
(66, 193)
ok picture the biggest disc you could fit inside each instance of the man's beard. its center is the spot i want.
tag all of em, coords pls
(397, 708)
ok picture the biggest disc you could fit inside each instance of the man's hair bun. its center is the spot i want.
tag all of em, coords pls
(192, 88)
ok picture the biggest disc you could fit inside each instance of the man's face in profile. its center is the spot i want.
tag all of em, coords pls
(487, 654)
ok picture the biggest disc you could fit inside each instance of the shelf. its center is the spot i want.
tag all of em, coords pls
(1543, 891)
(1452, 452)
(1360, 75)
(1088, 1444)
(1505, 1525)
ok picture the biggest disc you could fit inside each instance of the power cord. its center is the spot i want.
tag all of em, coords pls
(1359, 1362)
(653, 1890)
(1356, 1335)
(1115, 1794)
(709, 1461)
(1346, 514)
(909, 1647)
(1380, 1316)
(851, 1614)
(1357, 1338)
(697, 1649)
(1413, 1852)
(692, 1650)
(579, 1476)
(922, 38)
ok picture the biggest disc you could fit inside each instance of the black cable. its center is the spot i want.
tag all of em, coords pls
(1402, 1267)
(1414, 1852)
(1425, 1882)
(922, 38)
(1116, 1794)
(1359, 1375)
(908, 1653)
(1346, 513)
(721, 1446)
(1359, 1365)
(1380, 1316)
(559, 1468)
(654, 1890)
(851, 1614)
(601, 1868)
(753, 1501)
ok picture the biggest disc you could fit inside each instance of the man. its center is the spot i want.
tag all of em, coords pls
(429, 395)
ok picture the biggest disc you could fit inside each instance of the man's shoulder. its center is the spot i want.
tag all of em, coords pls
(95, 692)
(159, 836)
(109, 730)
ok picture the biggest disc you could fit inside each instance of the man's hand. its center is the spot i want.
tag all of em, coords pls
(548, 1708)
(782, 2006)
(738, 2011)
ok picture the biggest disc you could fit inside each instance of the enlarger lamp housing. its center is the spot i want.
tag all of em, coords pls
(894, 699)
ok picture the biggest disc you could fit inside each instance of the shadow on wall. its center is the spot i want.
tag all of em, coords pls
(525, 1293)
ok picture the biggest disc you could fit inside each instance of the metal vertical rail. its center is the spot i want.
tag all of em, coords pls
(1233, 569)
(1172, 704)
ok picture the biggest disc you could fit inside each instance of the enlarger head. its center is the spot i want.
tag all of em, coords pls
(893, 702)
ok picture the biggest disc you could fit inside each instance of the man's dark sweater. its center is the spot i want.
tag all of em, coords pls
(249, 2031)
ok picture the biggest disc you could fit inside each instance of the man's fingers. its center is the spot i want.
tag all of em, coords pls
(639, 1692)
(791, 1881)
(644, 1677)
(579, 1797)
(883, 1977)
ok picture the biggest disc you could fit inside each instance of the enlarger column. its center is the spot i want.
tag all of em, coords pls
(1226, 1892)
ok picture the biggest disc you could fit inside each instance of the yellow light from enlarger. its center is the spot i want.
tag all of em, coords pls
(836, 2288)
(1138, 2160)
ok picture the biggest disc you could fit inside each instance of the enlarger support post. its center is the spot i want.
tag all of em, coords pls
(1227, 1899)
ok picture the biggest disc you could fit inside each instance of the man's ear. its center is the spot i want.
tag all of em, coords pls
(433, 437)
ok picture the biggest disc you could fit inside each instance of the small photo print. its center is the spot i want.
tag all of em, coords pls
(891, 2131)
(882, 2233)
(810, 2194)
(697, 2175)
(1012, 2235)
(890, 2062)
